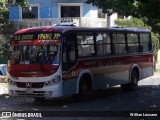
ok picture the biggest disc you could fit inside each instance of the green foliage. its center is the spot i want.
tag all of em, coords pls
(6, 28)
(133, 22)
(155, 44)
(4, 25)
(3, 14)
(22, 3)
(147, 10)
(3, 53)
(138, 23)
(147, 13)
(3, 49)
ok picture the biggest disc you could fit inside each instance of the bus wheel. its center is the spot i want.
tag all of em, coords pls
(134, 79)
(39, 98)
(85, 89)
(133, 84)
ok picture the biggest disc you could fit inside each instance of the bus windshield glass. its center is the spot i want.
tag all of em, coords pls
(35, 51)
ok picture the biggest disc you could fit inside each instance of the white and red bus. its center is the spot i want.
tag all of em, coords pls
(55, 61)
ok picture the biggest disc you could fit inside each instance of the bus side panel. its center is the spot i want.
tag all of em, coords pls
(69, 86)
(118, 78)
(109, 71)
(146, 72)
(110, 79)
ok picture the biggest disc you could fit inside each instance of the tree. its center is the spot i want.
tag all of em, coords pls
(147, 10)
(6, 28)
(3, 14)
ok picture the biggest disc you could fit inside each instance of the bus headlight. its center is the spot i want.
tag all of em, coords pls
(11, 82)
(54, 81)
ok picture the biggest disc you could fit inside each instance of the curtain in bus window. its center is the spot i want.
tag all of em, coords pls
(133, 44)
(119, 44)
(103, 44)
(85, 44)
(144, 42)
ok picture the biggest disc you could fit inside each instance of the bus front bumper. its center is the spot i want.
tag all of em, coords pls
(47, 92)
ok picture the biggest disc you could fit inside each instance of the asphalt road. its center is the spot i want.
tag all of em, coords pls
(111, 103)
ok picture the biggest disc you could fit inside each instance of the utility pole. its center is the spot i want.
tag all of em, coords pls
(109, 13)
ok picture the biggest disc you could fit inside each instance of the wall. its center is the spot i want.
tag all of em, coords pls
(49, 9)
(14, 12)
(113, 18)
(89, 11)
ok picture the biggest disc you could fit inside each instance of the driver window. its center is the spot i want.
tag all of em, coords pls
(69, 49)
(69, 56)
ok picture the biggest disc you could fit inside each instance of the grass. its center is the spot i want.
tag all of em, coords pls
(157, 70)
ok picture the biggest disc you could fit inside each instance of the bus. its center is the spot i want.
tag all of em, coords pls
(63, 60)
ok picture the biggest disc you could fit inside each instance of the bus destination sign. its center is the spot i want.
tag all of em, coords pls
(40, 38)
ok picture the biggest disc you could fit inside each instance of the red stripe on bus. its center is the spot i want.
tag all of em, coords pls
(35, 74)
(32, 70)
(32, 67)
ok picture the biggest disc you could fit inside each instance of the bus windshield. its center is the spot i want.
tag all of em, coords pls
(35, 48)
(35, 54)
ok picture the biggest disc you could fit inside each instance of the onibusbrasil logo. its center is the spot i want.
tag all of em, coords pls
(20, 115)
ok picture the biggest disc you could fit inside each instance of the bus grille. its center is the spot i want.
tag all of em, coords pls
(34, 94)
(30, 84)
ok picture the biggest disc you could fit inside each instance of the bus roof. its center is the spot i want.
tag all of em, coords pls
(64, 29)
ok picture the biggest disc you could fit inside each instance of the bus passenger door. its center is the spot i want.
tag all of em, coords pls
(69, 50)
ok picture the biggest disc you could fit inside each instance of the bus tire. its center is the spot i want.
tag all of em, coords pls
(133, 82)
(85, 88)
(134, 79)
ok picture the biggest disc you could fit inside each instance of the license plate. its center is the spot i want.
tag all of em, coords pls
(29, 91)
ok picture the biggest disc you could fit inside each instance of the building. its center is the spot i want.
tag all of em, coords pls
(50, 12)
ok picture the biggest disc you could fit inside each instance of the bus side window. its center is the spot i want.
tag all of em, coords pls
(68, 49)
(119, 44)
(133, 43)
(80, 48)
(64, 55)
(103, 44)
(145, 42)
(72, 53)
(85, 44)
